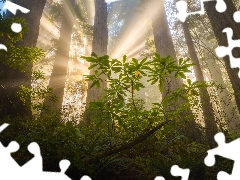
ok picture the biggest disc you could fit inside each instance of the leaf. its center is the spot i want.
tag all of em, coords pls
(93, 84)
(120, 122)
(182, 75)
(194, 92)
(124, 59)
(135, 61)
(120, 96)
(99, 123)
(78, 133)
(109, 120)
(116, 69)
(143, 61)
(92, 66)
(160, 86)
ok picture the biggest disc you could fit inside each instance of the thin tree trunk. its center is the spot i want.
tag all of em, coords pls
(99, 47)
(11, 79)
(60, 67)
(208, 112)
(219, 21)
(164, 47)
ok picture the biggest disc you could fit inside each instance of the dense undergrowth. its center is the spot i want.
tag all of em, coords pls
(124, 140)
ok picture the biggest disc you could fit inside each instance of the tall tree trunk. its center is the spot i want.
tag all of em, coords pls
(60, 67)
(164, 47)
(219, 21)
(208, 111)
(99, 47)
(11, 78)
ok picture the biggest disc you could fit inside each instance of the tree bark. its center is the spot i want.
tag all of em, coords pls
(164, 47)
(60, 67)
(99, 47)
(11, 78)
(220, 21)
(208, 111)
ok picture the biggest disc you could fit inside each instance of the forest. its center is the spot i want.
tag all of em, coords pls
(121, 88)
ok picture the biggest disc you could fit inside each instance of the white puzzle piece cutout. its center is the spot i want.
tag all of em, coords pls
(12, 7)
(182, 9)
(16, 27)
(236, 17)
(177, 171)
(33, 169)
(3, 47)
(227, 150)
(222, 51)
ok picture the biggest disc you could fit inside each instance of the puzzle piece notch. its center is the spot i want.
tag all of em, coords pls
(12, 7)
(183, 14)
(221, 6)
(222, 51)
(159, 178)
(16, 27)
(85, 178)
(33, 168)
(210, 159)
(227, 150)
(236, 16)
(3, 126)
(177, 171)
(35, 164)
(7, 163)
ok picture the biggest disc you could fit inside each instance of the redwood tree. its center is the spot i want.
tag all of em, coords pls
(11, 78)
(208, 111)
(220, 21)
(99, 48)
(60, 67)
(164, 47)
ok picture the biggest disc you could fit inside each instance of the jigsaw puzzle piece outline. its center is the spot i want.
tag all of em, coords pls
(34, 164)
(177, 171)
(5, 125)
(182, 8)
(6, 169)
(16, 27)
(227, 150)
(159, 178)
(12, 7)
(236, 16)
(222, 51)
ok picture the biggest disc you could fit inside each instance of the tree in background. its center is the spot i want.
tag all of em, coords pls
(208, 111)
(60, 67)
(12, 78)
(164, 47)
(219, 21)
(99, 48)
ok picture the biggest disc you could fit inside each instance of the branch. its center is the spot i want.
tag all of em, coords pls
(126, 146)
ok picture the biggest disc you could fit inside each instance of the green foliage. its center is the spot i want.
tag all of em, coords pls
(17, 57)
(124, 139)
(22, 58)
(122, 105)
